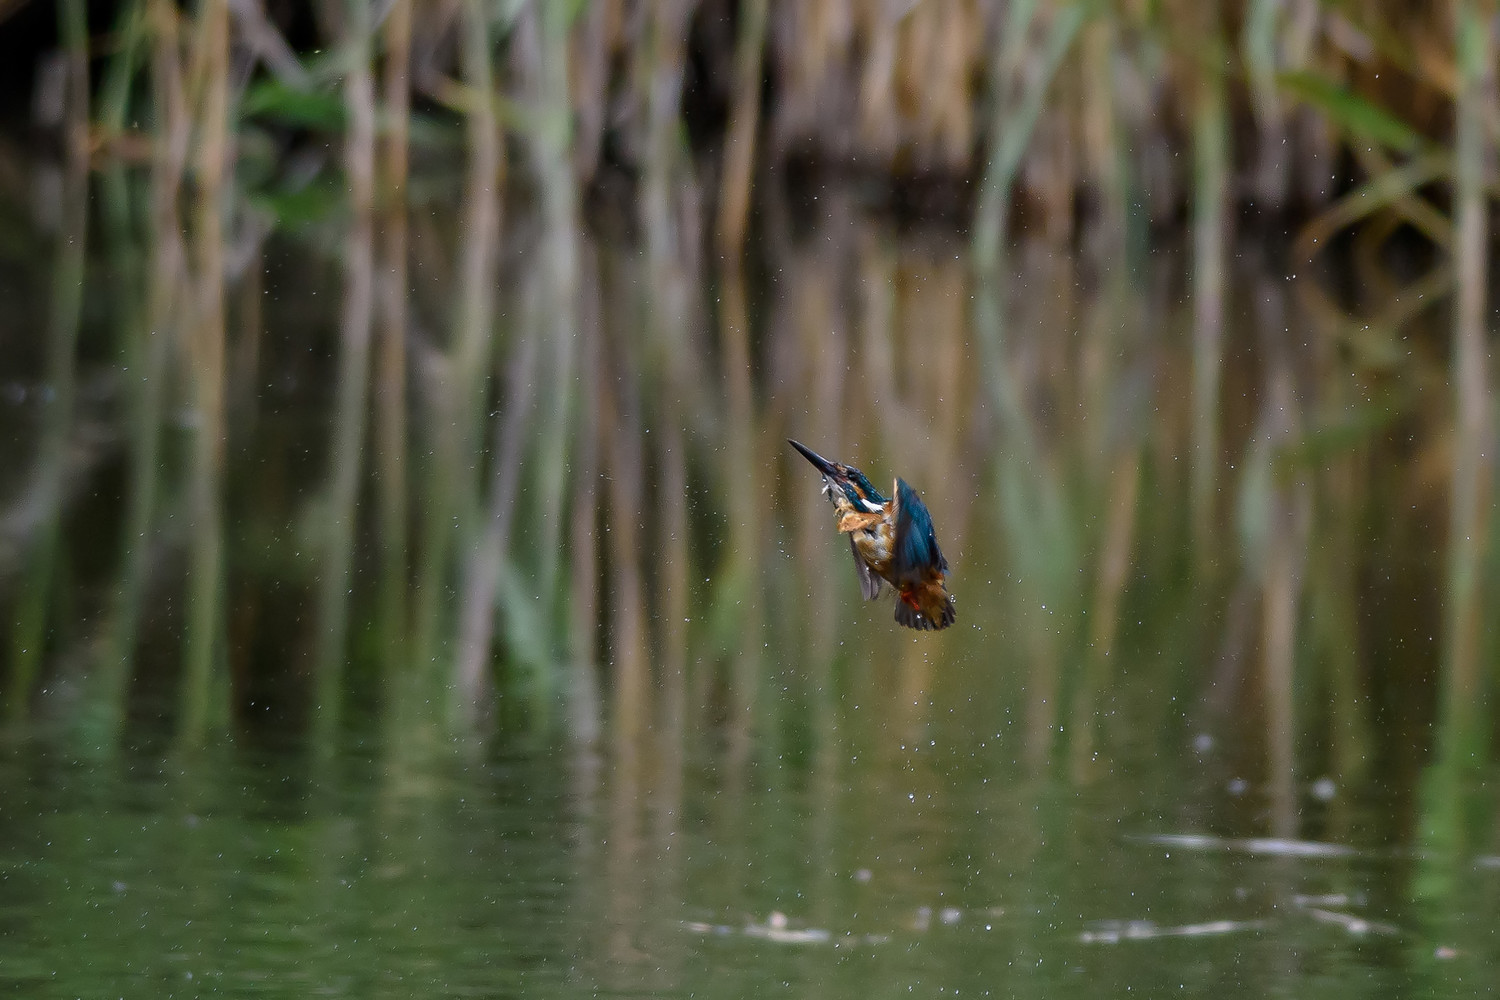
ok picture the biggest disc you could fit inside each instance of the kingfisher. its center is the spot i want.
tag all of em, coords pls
(893, 541)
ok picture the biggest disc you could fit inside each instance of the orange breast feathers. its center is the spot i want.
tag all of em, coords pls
(871, 535)
(854, 520)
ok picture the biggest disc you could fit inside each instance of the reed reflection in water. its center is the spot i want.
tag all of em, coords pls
(626, 560)
(594, 445)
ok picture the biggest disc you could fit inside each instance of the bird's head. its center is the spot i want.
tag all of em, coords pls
(844, 484)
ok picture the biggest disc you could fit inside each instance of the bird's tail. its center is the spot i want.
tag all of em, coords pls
(925, 608)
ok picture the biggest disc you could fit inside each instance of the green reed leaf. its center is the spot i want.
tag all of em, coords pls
(1351, 113)
(276, 101)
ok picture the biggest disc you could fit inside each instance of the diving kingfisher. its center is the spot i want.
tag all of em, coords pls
(892, 541)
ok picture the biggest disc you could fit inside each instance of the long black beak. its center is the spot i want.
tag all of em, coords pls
(823, 465)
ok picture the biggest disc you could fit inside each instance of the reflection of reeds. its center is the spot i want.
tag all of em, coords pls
(205, 690)
(390, 383)
(584, 604)
(43, 551)
(1462, 736)
(1273, 510)
(452, 497)
(1210, 118)
(561, 474)
(1473, 440)
(348, 440)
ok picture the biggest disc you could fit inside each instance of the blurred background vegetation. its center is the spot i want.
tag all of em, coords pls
(534, 424)
(402, 374)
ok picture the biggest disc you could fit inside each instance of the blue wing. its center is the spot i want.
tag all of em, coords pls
(917, 556)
